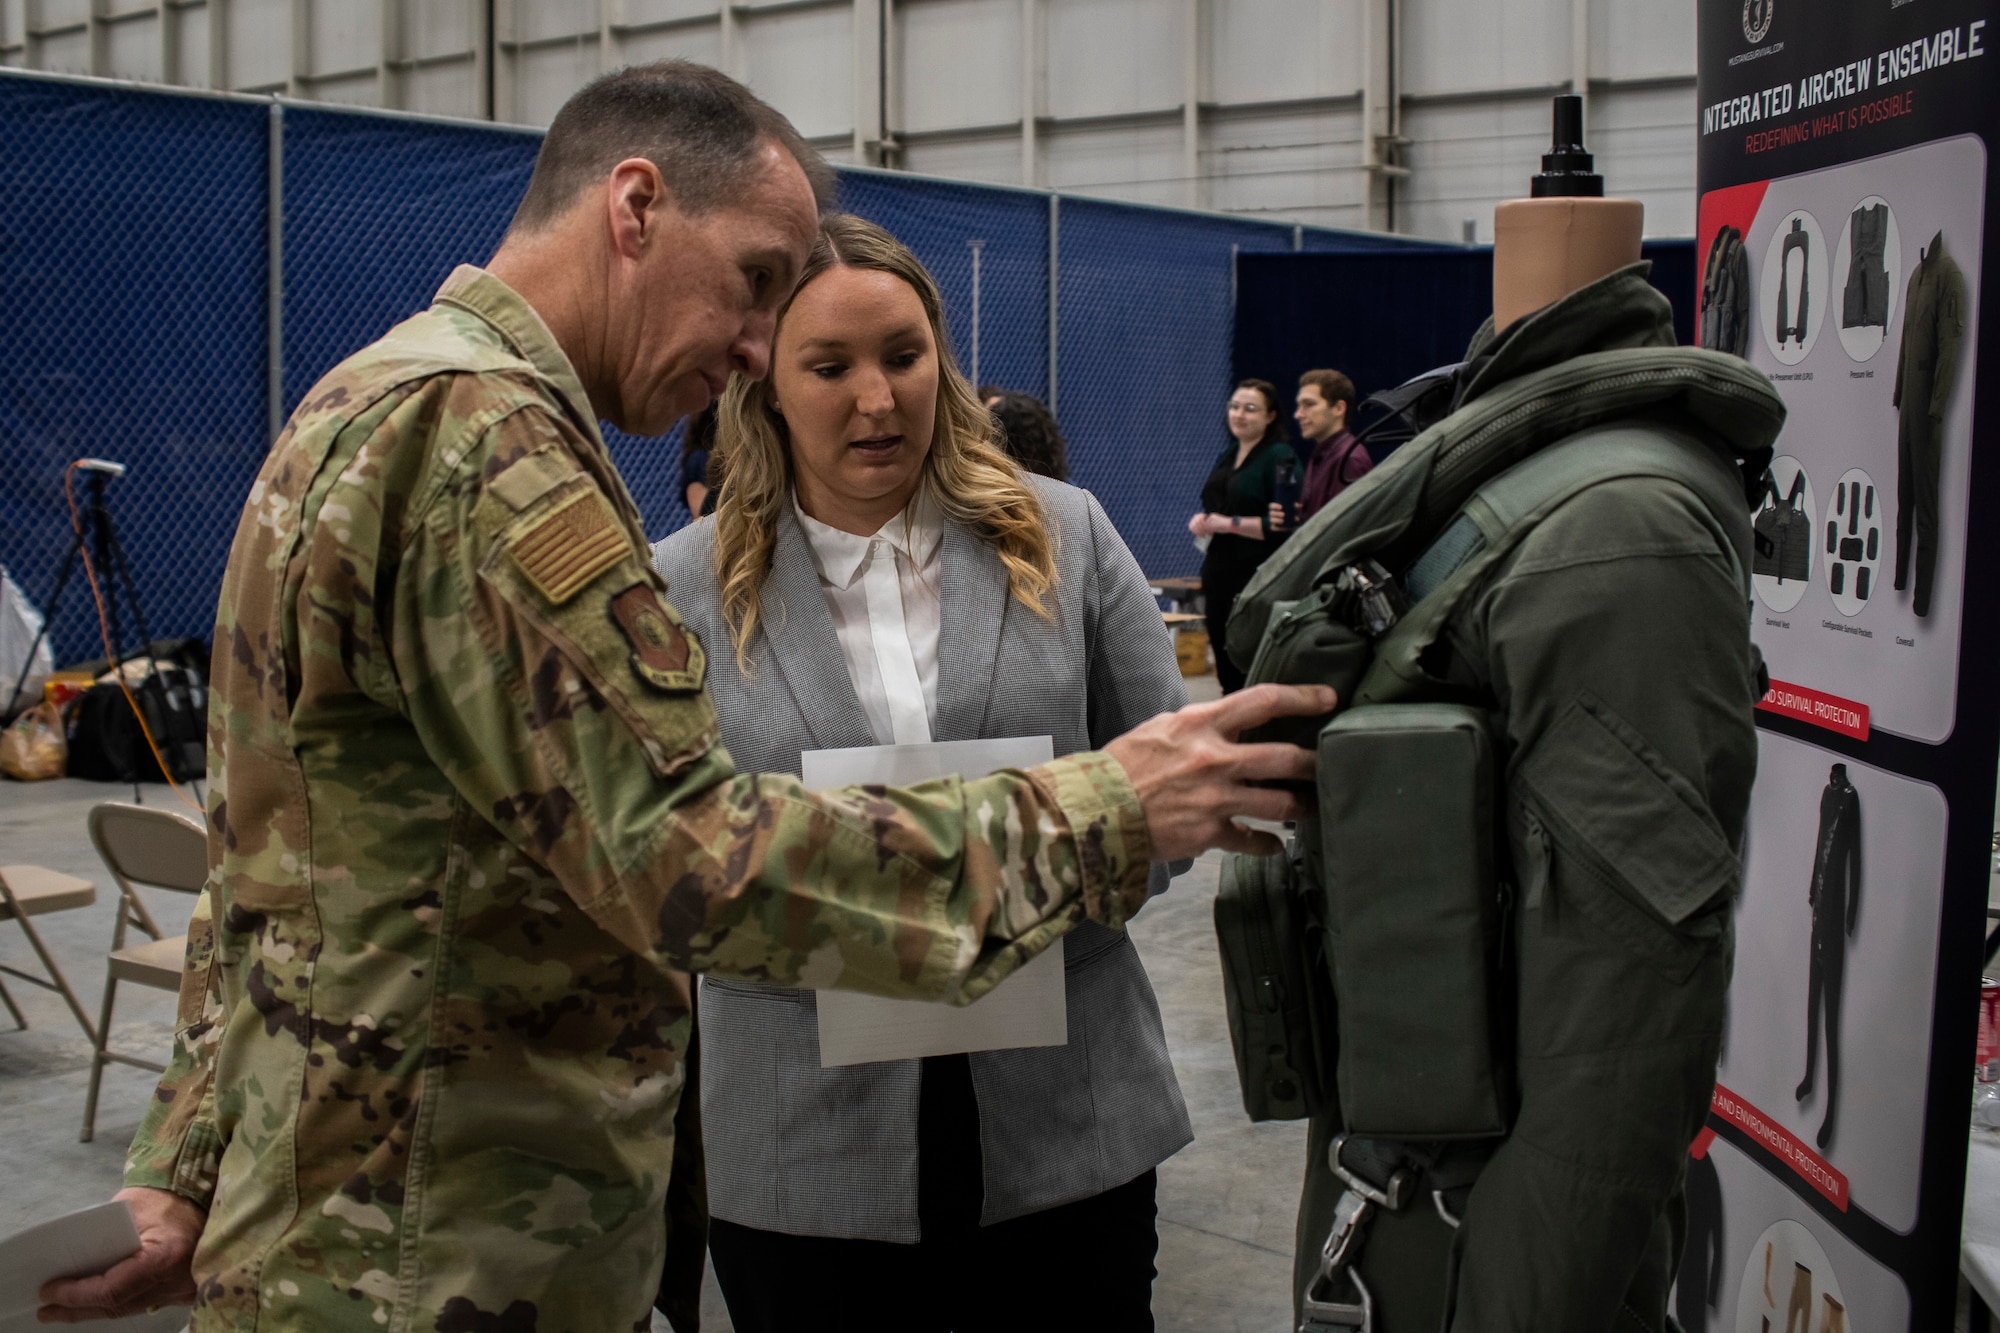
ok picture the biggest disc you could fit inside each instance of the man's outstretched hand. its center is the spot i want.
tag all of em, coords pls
(1195, 780)
(159, 1274)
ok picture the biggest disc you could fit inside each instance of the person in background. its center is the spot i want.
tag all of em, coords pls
(1335, 460)
(697, 465)
(1235, 505)
(1029, 433)
(879, 573)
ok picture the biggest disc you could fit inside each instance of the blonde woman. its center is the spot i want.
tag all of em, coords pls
(878, 572)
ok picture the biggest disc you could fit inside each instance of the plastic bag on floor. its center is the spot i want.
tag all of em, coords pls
(33, 748)
(20, 624)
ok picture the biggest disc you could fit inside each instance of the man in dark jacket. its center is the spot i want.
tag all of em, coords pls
(1336, 459)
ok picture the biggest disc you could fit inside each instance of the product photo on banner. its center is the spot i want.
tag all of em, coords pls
(1748, 1238)
(1782, 536)
(1934, 325)
(1836, 902)
(1899, 422)
(1853, 542)
(1830, 1006)
(1789, 1275)
(1869, 262)
(1794, 288)
(1725, 294)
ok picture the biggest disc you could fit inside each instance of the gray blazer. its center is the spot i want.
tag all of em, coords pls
(833, 1152)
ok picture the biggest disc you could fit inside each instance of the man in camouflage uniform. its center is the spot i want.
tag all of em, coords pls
(470, 825)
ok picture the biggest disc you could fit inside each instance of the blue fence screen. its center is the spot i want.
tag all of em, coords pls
(136, 250)
(132, 274)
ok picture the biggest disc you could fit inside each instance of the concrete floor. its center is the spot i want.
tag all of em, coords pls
(1226, 1201)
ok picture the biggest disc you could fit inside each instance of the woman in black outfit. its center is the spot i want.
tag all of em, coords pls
(1234, 500)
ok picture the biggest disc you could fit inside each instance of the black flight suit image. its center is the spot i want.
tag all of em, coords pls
(1836, 900)
(1926, 370)
(1698, 1289)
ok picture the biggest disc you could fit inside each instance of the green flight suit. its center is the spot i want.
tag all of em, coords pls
(1612, 648)
(471, 828)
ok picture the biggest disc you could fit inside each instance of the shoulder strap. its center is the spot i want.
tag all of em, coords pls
(1767, 495)
(1796, 499)
(1503, 511)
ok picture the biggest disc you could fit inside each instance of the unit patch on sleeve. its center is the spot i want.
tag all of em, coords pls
(577, 541)
(665, 653)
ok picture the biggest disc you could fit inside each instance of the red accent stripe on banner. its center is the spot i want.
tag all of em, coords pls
(1702, 1141)
(1782, 1144)
(1822, 710)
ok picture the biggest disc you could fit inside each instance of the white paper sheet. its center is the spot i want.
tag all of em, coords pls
(1027, 1009)
(88, 1241)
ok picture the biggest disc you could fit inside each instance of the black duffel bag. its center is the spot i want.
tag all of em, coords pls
(106, 743)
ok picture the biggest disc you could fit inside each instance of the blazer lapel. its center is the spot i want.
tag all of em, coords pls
(806, 648)
(972, 590)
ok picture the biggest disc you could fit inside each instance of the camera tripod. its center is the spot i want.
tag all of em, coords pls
(107, 558)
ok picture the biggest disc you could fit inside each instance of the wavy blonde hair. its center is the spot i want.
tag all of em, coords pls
(966, 474)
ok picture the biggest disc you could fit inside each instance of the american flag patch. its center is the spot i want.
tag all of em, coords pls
(563, 552)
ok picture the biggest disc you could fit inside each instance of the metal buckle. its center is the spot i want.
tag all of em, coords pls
(1315, 1313)
(1318, 1309)
(1450, 1220)
(1389, 1196)
(1348, 1214)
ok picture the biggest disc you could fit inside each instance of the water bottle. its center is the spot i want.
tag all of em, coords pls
(1286, 492)
(1986, 1066)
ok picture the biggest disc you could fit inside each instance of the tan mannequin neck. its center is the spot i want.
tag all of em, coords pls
(1544, 249)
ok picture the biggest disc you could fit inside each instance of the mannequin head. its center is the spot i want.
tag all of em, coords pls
(1567, 235)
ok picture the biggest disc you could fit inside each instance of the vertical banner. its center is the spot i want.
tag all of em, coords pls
(1845, 191)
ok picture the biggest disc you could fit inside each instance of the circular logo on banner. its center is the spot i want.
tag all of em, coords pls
(1788, 1282)
(1757, 20)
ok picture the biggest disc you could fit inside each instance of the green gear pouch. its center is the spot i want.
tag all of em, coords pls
(1414, 919)
(1323, 638)
(1274, 984)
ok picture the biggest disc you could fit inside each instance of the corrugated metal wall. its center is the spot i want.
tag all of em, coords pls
(1407, 115)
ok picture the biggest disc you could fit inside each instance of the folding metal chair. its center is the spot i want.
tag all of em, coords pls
(141, 845)
(32, 891)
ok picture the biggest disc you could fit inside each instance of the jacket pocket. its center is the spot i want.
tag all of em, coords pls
(1622, 822)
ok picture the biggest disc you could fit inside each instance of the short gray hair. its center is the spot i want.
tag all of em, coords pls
(700, 127)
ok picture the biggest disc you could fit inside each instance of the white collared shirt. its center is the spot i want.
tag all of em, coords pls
(883, 593)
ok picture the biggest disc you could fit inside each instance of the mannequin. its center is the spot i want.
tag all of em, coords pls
(1567, 234)
(1598, 659)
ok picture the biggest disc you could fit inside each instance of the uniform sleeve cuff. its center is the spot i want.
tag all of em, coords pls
(1113, 846)
(191, 1171)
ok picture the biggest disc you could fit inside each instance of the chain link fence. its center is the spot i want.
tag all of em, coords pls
(988, 250)
(137, 256)
(133, 281)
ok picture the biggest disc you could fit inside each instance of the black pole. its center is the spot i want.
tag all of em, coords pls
(48, 617)
(105, 545)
